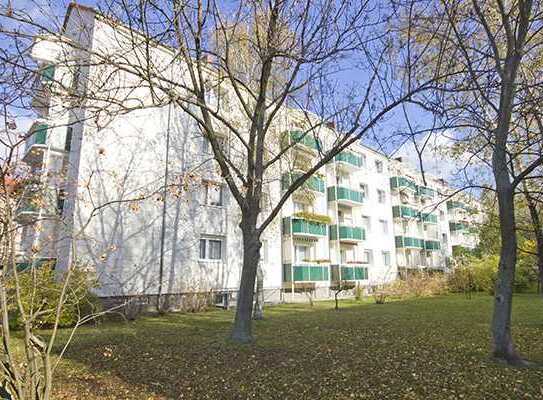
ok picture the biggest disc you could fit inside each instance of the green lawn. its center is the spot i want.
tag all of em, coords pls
(419, 349)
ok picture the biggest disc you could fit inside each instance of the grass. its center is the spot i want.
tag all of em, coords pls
(418, 349)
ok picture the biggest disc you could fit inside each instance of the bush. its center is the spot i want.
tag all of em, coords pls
(415, 285)
(40, 294)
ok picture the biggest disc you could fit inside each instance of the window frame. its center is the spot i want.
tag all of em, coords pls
(206, 242)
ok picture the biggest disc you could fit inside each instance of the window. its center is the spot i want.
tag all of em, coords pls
(367, 257)
(264, 251)
(343, 256)
(61, 196)
(302, 253)
(211, 249)
(300, 207)
(379, 166)
(386, 258)
(214, 194)
(384, 226)
(381, 196)
(444, 238)
(362, 160)
(343, 180)
(366, 223)
(68, 142)
(364, 190)
(441, 215)
(206, 147)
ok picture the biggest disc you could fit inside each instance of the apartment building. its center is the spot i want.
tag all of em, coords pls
(363, 218)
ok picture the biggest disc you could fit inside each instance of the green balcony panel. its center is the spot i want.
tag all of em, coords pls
(405, 212)
(305, 273)
(305, 138)
(426, 192)
(452, 204)
(345, 194)
(458, 226)
(347, 233)
(432, 245)
(398, 182)
(349, 273)
(48, 73)
(299, 225)
(39, 134)
(429, 218)
(314, 183)
(405, 241)
(349, 158)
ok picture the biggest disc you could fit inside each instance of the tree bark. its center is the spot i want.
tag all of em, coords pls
(538, 233)
(503, 347)
(242, 330)
(258, 312)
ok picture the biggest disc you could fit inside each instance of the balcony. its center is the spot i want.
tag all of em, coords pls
(305, 273)
(299, 226)
(42, 89)
(27, 210)
(432, 245)
(458, 226)
(426, 192)
(453, 205)
(304, 141)
(346, 272)
(401, 182)
(429, 218)
(348, 161)
(347, 233)
(36, 143)
(405, 212)
(345, 196)
(405, 242)
(313, 183)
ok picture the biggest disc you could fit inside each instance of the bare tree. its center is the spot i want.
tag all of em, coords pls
(495, 43)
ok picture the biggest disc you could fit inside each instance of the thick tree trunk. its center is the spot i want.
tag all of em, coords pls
(503, 347)
(242, 330)
(258, 312)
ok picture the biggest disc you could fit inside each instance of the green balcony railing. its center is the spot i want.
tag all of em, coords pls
(305, 273)
(405, 241)
(426, 192)
(347, 233)
(405, 212)
(313, 182)
(432, 245)
(48, 73)
(397, 182)
(429, 218)
(348, 273)
(306, 139)
(349, 158)
(39, 134)
(301, 226)
(345, 194)
(452, 204)
(458, 226)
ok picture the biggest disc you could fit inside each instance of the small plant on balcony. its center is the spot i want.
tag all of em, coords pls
(312, 217)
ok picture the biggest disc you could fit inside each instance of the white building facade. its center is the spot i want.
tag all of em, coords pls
(139, 196)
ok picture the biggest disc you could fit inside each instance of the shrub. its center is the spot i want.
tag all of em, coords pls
(415, 285)
(40, 294)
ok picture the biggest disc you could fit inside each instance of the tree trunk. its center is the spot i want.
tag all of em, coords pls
(503, 347)
(242, 330)
(258, 312)
(538, 232)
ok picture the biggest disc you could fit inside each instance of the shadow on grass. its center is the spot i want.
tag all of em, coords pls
(424, 348)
